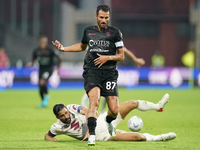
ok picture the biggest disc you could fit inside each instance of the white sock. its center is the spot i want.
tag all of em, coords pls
(145, 105)
(150, 137)
(103, 105)
(117, 120)
(85, 100)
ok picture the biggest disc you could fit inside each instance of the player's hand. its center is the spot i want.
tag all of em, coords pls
(49, 138)
(53, 139)
(86, 136)
(29, 64)
(58, 45)
(140, 62)
(100, 60)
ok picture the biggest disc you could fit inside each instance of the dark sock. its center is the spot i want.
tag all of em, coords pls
(109, 119)
(92, 122)
(41, 93)
(43, 90)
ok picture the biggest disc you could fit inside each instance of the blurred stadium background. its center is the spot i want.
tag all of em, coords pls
(170, 26)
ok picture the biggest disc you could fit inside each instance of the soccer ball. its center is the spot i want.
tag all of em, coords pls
(135, 123)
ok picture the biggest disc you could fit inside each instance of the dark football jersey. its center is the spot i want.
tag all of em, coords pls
(44, 57)
(102, 42)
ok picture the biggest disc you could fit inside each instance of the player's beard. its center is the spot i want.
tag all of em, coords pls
(102, 25)
(67, 120)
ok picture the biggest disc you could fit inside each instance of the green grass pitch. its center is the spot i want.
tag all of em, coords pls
(23, 125)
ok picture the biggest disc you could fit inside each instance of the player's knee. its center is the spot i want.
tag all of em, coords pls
(114, 110)
(139, 137)
(94, 104)
(42, 82)
(133, 104)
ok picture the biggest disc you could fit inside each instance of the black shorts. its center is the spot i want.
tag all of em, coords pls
(45, 73)
(105, 79)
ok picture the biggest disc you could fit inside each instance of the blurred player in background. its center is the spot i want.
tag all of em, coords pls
(4, 60)
(138, 61)
(157, 60)
(72, 122)
(105, 48)
(46, 58)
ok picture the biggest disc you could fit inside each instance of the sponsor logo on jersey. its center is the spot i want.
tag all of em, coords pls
(74, 107)
(101, 43)
(75, 125)
(99, 50)
(108, 33)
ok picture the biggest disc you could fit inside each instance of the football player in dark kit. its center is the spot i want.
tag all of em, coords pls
(104, 48)
(45, 56)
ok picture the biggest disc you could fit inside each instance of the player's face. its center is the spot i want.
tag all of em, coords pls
(43, 42)
(103, 19)
(64, 116)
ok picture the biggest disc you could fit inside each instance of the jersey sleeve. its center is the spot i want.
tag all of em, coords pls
(51, 134)
(84, 38)
(74, 108)
(54, 131)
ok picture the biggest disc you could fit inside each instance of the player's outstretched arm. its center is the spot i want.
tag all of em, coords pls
(139, 61)
(74, 48)
(49, 138)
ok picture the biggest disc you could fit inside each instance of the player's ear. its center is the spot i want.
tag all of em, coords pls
(96, 16)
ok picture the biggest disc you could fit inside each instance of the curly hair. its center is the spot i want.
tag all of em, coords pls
(104, 8)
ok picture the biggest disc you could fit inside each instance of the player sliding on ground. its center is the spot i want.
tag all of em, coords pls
(72, 122)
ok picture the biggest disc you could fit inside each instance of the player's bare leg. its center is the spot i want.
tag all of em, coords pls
(94, 96)
(126, 107)
(135, 136)
(113, 105)
(127, 136)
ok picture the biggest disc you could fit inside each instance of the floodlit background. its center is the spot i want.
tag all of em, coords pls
(168, 27)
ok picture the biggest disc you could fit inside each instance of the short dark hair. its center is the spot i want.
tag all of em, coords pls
(57, 108)
(104, 8)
